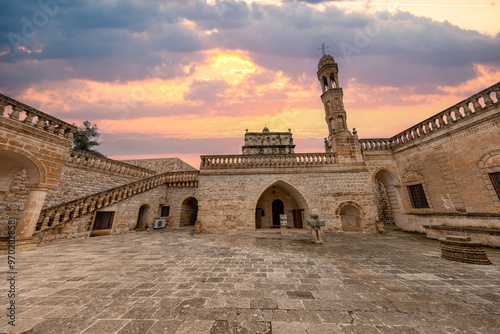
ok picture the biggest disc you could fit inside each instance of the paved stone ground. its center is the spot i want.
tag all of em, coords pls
(176, 282)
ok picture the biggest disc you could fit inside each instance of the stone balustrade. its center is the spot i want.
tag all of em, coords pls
(375, 144)
(94, 161)
(463, 110)
(54, 216)
(25, 114)
(259, 161)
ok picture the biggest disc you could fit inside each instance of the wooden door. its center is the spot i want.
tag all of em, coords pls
(258, 218)
(278, 209)
(297, 218)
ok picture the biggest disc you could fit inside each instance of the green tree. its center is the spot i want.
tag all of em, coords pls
(84, 138)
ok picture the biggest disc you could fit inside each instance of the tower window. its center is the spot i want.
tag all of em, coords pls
(325, 85)
(495, 179)
(417, 196)
(333, 82)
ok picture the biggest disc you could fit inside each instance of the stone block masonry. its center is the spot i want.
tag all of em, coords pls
(228, 202)
(162, 165)
(125, 217)
(451, 155)
(75, 182)
(75, 219)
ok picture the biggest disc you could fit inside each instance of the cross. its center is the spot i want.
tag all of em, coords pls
(323, 47)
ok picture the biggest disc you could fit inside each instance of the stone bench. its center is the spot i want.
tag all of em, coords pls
(485, 236)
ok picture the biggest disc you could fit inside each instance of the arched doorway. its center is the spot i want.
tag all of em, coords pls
(12, 165)
(349, 216)
(21, 193)
(189, 211)
(142, 217)
(278, 209)
(388, 200)
(280, 198)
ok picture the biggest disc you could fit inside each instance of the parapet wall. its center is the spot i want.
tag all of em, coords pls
(109, 166)
(433, 126)
(75, 182)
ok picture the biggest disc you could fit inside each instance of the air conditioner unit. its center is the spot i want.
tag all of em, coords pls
(159, 223)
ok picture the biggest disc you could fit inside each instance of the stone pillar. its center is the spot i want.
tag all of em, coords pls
(283, 224)
(31, 212)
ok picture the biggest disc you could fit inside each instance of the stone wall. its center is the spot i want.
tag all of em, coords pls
(78, 182)
(162, 165)
(75, 182)
(12, 202)
(227, 201)
(448, 163)
(449, 167)
(176, 196)
(127, 213)
(125, 218)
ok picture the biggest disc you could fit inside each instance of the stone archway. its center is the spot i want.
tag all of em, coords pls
(39, 144)
(25, 208)
(388, 197)
(350, 218)
(142, 217)
(12, 164)
(278, 198)
(189, 211)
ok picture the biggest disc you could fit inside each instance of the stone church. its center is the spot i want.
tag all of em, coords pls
(437, 177)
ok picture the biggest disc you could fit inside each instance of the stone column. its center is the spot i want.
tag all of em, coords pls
(31, 212)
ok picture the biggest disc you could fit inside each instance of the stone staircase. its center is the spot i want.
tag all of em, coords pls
(59, 214)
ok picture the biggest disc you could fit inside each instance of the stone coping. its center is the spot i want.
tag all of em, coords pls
(484, 230)
(437, 122)
(456, 214)
(14, 103)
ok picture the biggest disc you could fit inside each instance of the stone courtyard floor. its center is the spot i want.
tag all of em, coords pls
(168, 281)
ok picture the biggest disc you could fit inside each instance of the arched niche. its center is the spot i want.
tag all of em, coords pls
(294, 205)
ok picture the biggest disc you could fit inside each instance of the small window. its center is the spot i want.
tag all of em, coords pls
(164, 211)
(495, 179)
(103, 220)
(417, 196)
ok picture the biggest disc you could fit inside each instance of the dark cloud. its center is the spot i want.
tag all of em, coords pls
(111, 41)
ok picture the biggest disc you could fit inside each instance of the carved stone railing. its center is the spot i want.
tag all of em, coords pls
(459, 112)
(25, 114)
(375, 144)
(261, 160)
(54, 216)
(94, 161)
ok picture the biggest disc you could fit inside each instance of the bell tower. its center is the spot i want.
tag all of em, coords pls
(340, 140)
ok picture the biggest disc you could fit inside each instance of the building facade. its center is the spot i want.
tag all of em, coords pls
(267, 142)
(438, 177)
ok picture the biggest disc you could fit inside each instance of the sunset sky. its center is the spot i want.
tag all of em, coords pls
(186, 78)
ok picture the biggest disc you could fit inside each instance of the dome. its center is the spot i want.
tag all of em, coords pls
(325, 60)
(265, 129)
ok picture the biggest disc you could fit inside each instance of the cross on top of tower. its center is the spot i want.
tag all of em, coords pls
(323, 47)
